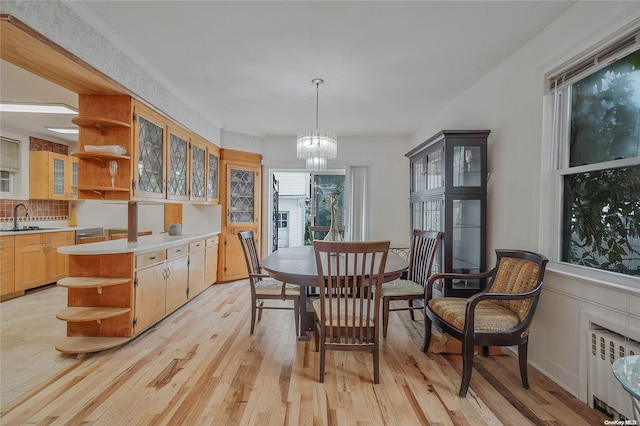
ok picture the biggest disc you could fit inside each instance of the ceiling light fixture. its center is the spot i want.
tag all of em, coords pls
(37, 108)
(317, 146)
(64, 130)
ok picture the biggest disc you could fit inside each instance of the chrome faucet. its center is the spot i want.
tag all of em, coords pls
(15, 215)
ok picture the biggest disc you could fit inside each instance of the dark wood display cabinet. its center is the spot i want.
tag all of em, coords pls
(448, 193)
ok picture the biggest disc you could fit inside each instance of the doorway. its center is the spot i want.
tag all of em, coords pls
(302, 200)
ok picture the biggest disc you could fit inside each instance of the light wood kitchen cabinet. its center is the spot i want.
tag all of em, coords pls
(150, 289)
(211, 261)
(241, 200)
(163, 162)
(37, 261)
(197, 266)
(114, 297)
(177, 277)
(51, 176)
(7, 265)
(198, 168)
(178, 164)
(213, 178)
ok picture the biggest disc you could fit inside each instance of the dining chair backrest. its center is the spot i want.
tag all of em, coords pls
(250, 250)
(423, 252)
(346, 273)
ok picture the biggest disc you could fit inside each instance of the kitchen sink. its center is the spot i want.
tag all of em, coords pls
(29, 228)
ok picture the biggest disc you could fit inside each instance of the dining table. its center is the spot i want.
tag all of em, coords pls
(297, 265)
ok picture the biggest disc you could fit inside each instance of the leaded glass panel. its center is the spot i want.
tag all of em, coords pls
(178, 166)
(150, 164)
(212, 183)
(58, 176)
(74, 177)
(197, 171)
(241, 196)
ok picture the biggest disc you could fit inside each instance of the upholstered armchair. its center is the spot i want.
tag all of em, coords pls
(499, 316)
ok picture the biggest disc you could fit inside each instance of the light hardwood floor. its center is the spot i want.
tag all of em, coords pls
(200, 366)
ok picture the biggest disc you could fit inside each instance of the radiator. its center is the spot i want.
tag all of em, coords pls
(605, 393)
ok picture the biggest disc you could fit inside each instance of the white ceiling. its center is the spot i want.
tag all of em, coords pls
(387, 65)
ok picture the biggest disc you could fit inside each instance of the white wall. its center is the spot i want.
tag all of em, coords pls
(509, 101)
(389, 207)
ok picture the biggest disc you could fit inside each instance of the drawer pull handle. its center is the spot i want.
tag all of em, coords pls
(178, 251)
(152, 258)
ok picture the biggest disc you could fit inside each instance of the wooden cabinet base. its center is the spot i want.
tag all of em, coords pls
(84, 345)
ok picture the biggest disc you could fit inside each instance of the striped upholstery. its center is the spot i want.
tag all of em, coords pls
(490, 316)
(338, 311)
(515, 276)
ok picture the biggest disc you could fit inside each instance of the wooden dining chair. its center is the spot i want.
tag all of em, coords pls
(319, 232)
(264, 287)
(498, 316)
(423, 251)
(346, 313)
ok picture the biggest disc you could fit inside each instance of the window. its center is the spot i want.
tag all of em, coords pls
(9, 165)
(597, 130)
(283, 220)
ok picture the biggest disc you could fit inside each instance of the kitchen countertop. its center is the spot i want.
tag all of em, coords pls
(4, 232)
(144, 244)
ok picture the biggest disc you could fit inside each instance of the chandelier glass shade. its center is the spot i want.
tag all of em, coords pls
(317, 146)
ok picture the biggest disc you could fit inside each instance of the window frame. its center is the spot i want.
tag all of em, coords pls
(555, 159)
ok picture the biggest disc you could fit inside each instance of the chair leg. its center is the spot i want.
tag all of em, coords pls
(260, 304)
(296, 312)
(522, 360)
(376, 364)
(385, 316)
(467, 366)
(254, 308)
(427, 333)
(322, 359)
(411, 310)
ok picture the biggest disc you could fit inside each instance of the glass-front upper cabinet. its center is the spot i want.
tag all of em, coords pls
(178, 162)
(149, 153)
(213, 182)
(448, 194)
(198, 170)
(242, 200)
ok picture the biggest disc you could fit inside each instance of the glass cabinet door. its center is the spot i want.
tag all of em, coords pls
(150, 158)
(212, 179)
(198, 173)
(242, 200)
(58, 180)
(178, 160)
(435, 169)
(466, 233)
(467, 166)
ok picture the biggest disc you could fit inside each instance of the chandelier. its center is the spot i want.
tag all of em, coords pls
(316, 146)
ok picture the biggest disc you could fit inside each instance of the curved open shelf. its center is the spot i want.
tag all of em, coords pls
(91, 282)
(89, 313)
(99, 156)
(100, 123)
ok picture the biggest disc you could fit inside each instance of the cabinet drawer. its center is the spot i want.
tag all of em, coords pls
(60, 236)
(196, 246)
(7, 241)
(150, 258)
(212, 241)
(178, 251)
(29, 239)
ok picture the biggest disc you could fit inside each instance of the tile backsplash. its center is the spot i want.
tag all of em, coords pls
(39, 210)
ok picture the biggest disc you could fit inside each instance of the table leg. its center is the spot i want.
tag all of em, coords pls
(306, 315)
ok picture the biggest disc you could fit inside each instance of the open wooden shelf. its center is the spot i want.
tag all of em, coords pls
(101, 123)
(84, 345)
(91, 282)
(99, 156)
(89, 313)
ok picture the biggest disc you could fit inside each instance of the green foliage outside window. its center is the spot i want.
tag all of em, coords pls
(602, 207)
